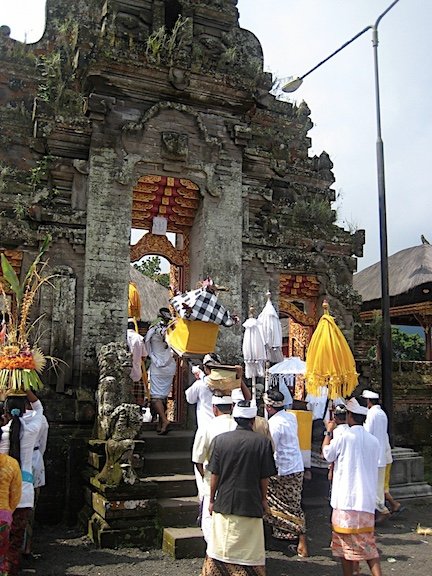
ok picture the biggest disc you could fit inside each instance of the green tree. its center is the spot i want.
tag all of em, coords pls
(404, 346)
(407, 346)
(151, 267)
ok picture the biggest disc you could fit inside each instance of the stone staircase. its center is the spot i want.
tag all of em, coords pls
(158, 511)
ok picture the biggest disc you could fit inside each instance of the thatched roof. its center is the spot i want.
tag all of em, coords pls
(408, 269)
(153, 296)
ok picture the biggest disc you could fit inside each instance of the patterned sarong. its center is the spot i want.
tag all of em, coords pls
(16, 539)
(353, 536)
(213, 567)
(284, 497)
(4, 546)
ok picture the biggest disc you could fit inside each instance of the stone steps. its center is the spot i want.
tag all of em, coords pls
(175, 440)
(174, 485)
(178, 512)
(161, 463)
(160, 509)
(183, 542)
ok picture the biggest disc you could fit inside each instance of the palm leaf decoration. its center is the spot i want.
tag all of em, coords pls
(21, 364)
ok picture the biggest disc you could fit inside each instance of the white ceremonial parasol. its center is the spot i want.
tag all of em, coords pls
(291, 365)
(254, 350)
(282, 375)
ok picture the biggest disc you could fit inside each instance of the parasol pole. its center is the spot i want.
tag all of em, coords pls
(267, 363)
(267, 366)
(252, 315)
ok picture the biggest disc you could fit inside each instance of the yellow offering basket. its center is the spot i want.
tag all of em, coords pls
(192, 336)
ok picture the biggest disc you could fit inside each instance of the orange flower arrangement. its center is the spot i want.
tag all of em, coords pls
(20, 363)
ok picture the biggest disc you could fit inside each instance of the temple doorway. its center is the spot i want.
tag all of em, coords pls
(163, 213)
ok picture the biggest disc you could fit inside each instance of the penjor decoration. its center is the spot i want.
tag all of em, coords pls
(20, 362)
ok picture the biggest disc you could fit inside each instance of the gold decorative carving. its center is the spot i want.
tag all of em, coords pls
(188, 184)
(286, 307)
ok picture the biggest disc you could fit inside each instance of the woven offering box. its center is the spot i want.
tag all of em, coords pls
(223, 377)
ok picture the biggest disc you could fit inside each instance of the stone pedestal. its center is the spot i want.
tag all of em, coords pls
(407, 475)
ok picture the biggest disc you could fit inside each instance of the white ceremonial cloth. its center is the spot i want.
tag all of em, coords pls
(201, 450)
(377, 424)
(29, 433)
(138, 350)
(287, 453)
(355, 453)
(201, 395)
(38, 464)
(254, 350)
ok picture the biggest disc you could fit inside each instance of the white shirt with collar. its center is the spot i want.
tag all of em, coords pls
(29, 433)
(283, 429)
(340, 429)
(355, 453)
(201, 450)
(201, 395)
(377, 424)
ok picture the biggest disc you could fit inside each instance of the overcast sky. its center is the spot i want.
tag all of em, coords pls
(296, 35)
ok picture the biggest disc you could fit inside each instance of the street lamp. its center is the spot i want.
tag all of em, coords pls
(386, 343)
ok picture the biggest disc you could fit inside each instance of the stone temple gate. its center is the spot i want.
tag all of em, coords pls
(129, 109)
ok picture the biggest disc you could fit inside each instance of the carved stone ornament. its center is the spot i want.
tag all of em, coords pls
(174, 145)
(179, 78)
(125, 424)
(115, 385)
(125, 174)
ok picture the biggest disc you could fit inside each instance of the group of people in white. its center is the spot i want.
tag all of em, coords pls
(355, 445)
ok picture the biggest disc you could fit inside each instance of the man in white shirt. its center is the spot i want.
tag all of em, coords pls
(377, 424)
(284, 494)
(138, 350)
(200, 394)
(355, 454)
(202, 447)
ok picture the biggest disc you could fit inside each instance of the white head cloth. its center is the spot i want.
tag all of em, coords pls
(353, 406)
(369, 394)
(245, 411)
(216, 400)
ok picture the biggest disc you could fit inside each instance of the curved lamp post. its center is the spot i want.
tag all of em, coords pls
(386, 342)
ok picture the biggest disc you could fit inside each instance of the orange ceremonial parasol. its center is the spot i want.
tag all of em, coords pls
(134, 302)
(329, 360)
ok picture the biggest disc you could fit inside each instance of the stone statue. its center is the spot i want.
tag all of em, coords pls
(125, 424)
(115, 385)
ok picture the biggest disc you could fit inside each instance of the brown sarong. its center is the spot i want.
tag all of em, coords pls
(214, 567)
(284, 498)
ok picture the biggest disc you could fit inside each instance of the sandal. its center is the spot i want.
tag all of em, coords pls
(164, 430)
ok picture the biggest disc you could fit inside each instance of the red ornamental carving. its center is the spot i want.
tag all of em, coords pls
(176, 199)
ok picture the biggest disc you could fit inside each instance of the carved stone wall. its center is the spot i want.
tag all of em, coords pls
(107, 97)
